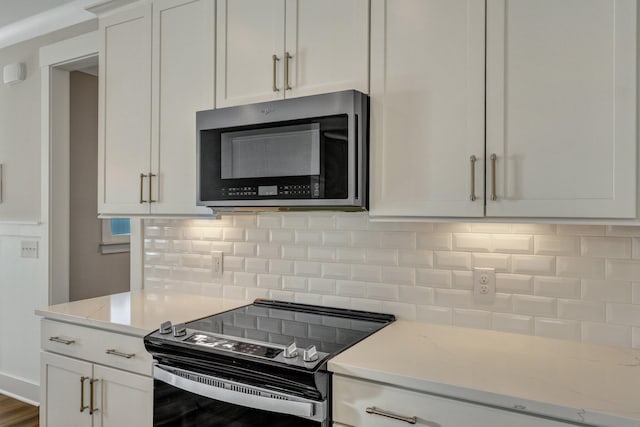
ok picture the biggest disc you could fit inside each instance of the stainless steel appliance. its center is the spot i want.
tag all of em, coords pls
(302, 152)
(264, 364)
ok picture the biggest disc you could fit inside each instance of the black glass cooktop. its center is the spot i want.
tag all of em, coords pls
(274, 322)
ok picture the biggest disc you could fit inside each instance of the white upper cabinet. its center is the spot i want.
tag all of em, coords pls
(183, 75)
(249, 51)
(124, 134)
(157, 66)
(327, 43)
(275, 49)
(427, 107)
(561, 108)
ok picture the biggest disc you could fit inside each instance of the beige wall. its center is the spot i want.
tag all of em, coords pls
(20, 127)
(91, 274)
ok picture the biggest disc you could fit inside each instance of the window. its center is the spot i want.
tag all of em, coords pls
(116, 234)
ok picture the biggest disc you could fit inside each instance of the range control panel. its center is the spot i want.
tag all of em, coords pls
(219, 343)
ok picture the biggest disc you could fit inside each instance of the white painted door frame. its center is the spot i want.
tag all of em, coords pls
(56, 61)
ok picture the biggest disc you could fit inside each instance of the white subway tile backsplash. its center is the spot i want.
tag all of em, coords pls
(581, 230)
(462, 279)
(514, 283)
(623, 314)
(603, 333)
(606, 291)
(415, 258)
(336, 238)
(623, 270)
(381, 256)
(336, 271)
(433, 278)
(588, 268)
(398, 275)
(557, 245)
(512, 243)
(294, 221)
(519, 324)
(370, 273)
(606, 247)
(350, 255)
(501, 263)
(571, 282)
(472, 318)
(434, 314)
(415, 295)
(452, 260)
(308, 237)
(434, 241)
(533, 264)
(534, 305)
(557, 328)
(453, 297)
(557, 287)
(471, 242)
(581, 310)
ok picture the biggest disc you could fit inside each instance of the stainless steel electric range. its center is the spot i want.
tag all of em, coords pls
(264, 364)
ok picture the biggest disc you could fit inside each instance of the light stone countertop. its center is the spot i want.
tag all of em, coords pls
(574, 381)
(139, 312)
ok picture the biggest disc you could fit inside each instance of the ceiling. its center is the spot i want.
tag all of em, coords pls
(25, 19)
(16, 10)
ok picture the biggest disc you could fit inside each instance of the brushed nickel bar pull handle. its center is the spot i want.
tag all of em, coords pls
(275, 60)
(120, 354)
(142, 177)
(151, 175)
(61, 340)
(375, 411)
(82, 405)
(473, 178)
(493, 158)
(92, 408)
(287, 57)
(1, 183)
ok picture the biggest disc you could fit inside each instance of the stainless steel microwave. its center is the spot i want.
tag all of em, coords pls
(308, 152)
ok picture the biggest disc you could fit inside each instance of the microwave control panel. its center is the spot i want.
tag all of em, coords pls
(273, 192)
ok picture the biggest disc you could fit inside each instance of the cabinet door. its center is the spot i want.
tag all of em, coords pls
(427, 107)
(249, 32)
(183, 76)
(329, 46)
(62, 381)
(125, 112)
(122, 398)
(561, 107)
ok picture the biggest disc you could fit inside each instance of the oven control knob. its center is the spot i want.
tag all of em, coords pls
(310, 354)
(179, 330)
(290, 351)
(165, 328)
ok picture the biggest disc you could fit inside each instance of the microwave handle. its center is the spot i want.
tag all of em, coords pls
(299, 409)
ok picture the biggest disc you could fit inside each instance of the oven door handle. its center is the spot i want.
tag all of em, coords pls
(309, 410)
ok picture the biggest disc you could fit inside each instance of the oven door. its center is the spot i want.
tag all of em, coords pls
(189, 399)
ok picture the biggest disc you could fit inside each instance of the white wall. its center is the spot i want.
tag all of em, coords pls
(23, 282)
(563, 281)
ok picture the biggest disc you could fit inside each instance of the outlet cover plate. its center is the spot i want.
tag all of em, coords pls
(217, 263)
(484, 285)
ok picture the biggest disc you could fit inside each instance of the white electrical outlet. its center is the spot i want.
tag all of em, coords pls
(484, 285)
(217, 264)
(29, 249)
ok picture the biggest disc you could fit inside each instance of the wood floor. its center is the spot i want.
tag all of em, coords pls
(14, 413)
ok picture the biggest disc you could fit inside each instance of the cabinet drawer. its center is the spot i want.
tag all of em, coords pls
(351, 398)
(107, 348)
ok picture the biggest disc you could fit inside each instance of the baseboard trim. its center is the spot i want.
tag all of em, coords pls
(20, 389)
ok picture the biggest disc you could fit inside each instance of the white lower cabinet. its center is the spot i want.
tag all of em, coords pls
(360, 403)
(77, 392)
